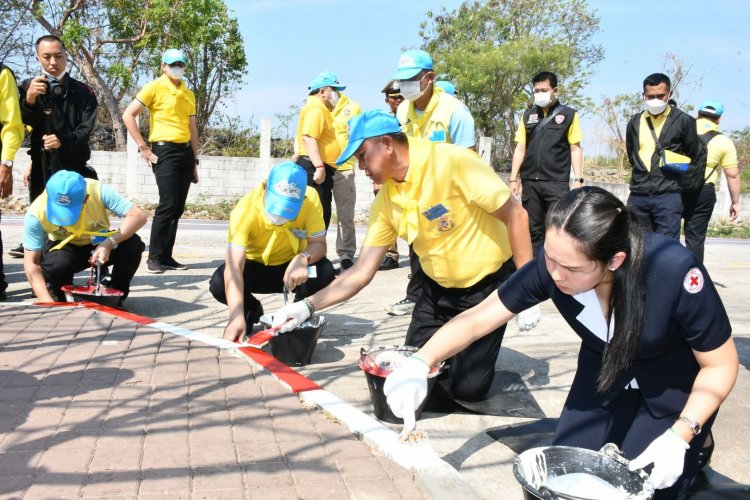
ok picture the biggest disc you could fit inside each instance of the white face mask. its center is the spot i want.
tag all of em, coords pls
(656, 106)
(276, 220)
(333, 98)
(50, 75)
(410, 89)
(543, 99)
(175, 72)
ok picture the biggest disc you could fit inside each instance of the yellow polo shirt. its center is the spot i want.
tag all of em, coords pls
(646, 144)
(316, 121)
(721, 151)
(574, 132)
(444, 208)
(345, 110)
(250, 230)
(10, 116)
(170, 107)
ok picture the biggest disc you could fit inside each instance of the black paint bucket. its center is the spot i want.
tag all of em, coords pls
(569, 473)
(295, 348)
(376, 371)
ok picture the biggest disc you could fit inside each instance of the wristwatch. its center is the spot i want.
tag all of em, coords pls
(306, 255)
(695, 427)
(114, 242)
(197, 161)
(8, 163)
(580, 179)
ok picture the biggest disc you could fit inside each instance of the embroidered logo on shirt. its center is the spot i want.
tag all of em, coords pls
(445, 224)
(533, 118)
(559, 119)
(693, 281)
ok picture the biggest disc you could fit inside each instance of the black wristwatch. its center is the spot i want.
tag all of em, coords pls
(580, 179)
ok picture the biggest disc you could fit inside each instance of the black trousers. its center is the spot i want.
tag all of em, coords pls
(36, 181)
(470, 372)
(696, 210)
(537, 197)
(59, 266)
(628, 423)
(3, 283)
(260, 278)
(324, 189)
(416, 277)
(173, 173)
(660, 213)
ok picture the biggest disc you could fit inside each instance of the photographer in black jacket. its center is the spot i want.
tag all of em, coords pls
(61, 111)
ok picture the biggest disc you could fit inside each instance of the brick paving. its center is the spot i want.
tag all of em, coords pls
(93, 405)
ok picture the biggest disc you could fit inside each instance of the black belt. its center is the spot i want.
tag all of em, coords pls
(167, 143)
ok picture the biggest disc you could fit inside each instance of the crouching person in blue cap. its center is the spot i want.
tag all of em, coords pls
(66, 229)
(276, 238)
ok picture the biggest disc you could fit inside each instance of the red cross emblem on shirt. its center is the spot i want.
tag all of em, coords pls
(693, 282)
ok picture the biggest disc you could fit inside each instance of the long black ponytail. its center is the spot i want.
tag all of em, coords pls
(602, 225)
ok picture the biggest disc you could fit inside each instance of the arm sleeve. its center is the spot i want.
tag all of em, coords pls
(314, 224)
(461, 128)
(33, 233)
(146, 94)
(239, 223)
(575, 135)
(479, 184)
(11, 135)
(380, 230)
(729, 152)
(114, 202)
(29, 114)
(311, 122)
(527, 287)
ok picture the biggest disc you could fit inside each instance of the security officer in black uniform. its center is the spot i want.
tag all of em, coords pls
(61, 112)
(548, 144)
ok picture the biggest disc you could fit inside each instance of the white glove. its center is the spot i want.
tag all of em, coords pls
(667, 453)
(528, 319)
(406, 386)
(295, 313)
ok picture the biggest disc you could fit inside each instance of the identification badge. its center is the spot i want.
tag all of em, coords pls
(533, 119)
(435, 212)
(437, 136)
(312, 272)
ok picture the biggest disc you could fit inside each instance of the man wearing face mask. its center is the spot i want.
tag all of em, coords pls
(344, 191)
(276, 238)
(656, 192)
(428, 112)
(316, 140)
(61, 112)
(172, 152)
(548, 145)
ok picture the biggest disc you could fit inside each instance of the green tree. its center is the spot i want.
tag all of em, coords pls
(114, 43)
(491, 49)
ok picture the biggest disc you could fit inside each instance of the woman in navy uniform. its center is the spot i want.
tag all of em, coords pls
(657, 358)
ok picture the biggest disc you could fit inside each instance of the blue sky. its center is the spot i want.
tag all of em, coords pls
(289, 41)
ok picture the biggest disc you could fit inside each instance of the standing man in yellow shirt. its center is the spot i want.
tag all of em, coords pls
(11, 136)
(721, 157)
(548, 145)
(344, 190)
(316, 140)
(172, 152)
(427, 112)
(462, 222)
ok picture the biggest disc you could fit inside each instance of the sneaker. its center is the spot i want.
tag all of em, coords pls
(154, 267)
(170, 263)
(400, 308)
(389, 263)
(346, 264)
(16, 252)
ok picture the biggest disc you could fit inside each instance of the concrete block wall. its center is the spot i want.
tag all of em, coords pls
(223, 177)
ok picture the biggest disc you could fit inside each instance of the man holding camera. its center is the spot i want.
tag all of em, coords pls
(61, 112)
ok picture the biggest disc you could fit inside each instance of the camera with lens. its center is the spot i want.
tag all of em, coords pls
(54, 87)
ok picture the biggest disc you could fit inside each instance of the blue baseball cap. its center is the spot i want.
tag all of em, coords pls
(66, 192)
(171, 56)
(325, 79)
(285, 190)
(411, 63)
(446, 86)
(714, 108)
(369, 124)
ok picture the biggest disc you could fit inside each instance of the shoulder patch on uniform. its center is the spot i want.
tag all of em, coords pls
(559, 119)
(533, 118)
(693, 281)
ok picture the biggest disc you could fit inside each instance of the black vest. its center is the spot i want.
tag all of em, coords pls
(547, 150)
